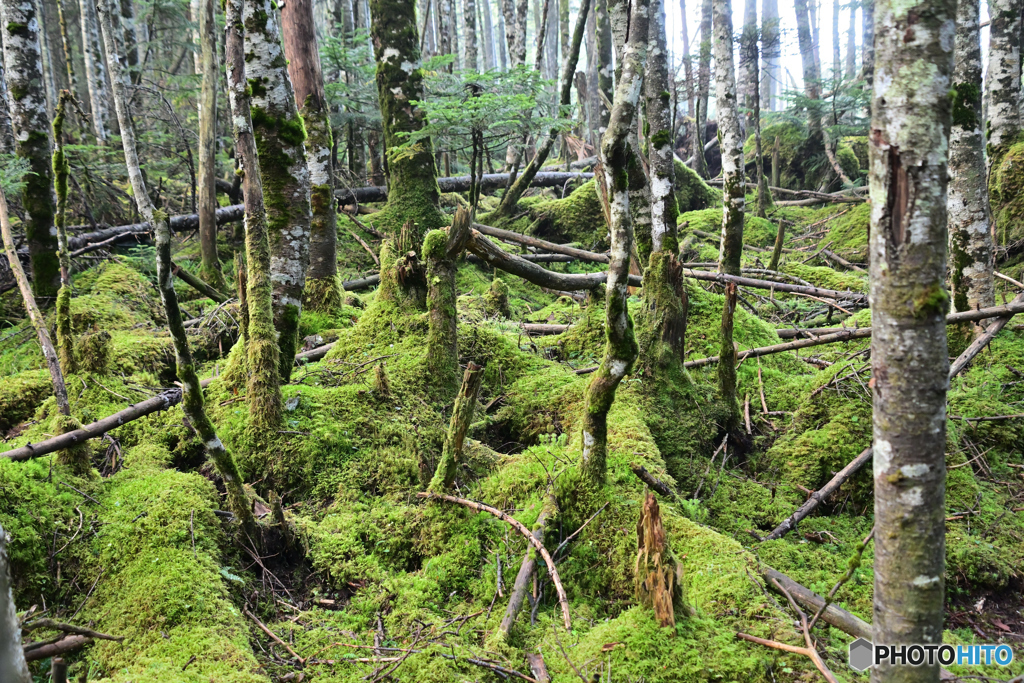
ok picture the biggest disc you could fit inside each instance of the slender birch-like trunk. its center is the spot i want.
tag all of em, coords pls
(192, 394)
(210, 269)
(851, 45)
(605, 67)
(970, 239)
(811, 75)
(280, 135)
(13, 668)
(733, 185)
(469, 25)
(703, 89)
(323, 290)
(61, 171)
(660, 144)
(95, 71)
(616, 156)
(687, 62)
(910, 124)
(867, 50)
(30, 125)
(488, 41)
(746, 76)
(263, 355)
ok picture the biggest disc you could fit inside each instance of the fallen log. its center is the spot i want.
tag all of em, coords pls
(654, 483)
(526, 569)
(532, 258)
(197, 284)
(543, 329)
(488, 181)
(981, 342)
(509, 236)
(225, 214)
(847, 334)
(821, 494)
(360, 284)
(721, 278)
(518, 526)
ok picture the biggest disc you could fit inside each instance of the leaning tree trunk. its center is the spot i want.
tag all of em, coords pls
(263, 356)
(95, 71)
(413, 194)
(323, 291)
(970, 241)
(733, 186)
(192, 393)
(771, 50)
(616, 156)
(280, 135)
(30, 123)
(13, 668)
(814, 144)
(605, 73)
(910, 123)
(700, 165)
(210, 270)
(1002, 91)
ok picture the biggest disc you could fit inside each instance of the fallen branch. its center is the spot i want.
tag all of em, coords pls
(62, 646)
(722, 278)
(362, 283)
(197, 284)
(183, 223)
(488, 181)
(509, 236)
(68, 628)
(518, 526)
(649, 479)
(526, 569)
(981, 342)
(846, 334)
(541, 329)
(533, 258)
(821, 494)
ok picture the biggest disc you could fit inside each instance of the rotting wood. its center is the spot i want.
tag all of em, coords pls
(982, 341)
(526, 569)
(518, 526)
(462, 415)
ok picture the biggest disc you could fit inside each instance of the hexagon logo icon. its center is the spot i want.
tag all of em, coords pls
(861, 654)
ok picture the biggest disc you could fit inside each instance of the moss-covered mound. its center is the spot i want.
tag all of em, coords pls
(578, 218)
(1006, 196)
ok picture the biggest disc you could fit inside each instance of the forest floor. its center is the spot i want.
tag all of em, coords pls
(385, 585)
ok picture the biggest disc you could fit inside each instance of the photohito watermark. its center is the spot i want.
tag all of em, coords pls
(864, 654)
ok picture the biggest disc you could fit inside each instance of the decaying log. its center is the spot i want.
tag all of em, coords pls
(488, 181)
(839, 336)
(360, 284)
(518, 526)
(526, 240)
(523, 579)
(542, 329)
(982, 341)
(721, 278)
(183, 223)
(462, 415)
(656, 572)
(656, 484)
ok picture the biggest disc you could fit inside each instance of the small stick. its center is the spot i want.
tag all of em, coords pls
(577, 532)
(518, 526)
(69, 628)
(365, 246)
(760, 386)
(273, 636)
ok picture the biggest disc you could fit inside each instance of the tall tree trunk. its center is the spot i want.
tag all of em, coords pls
(13, 668)
(133, 47)
(68, 52)
(30, 124)
(755, 112)
(746, 76)
(605, 67)
(192, 394)
(814, 144)
(837, 56)
(970, 240)
(1002, 91)
(210, 270)
(551, 45)
(563, 29)
(687, 63)
(280, 135)
(910, 123)
(455, 35)
(660, 144)
(621, 348)
(851, 45)
(323, 291)
(444, 29)
(49, 84)
(501, 37)
(263, 355)
(733, 186)
(469, 22)
(488, 41)
(771, 49)
(61, 171)
(703, 89)
(95, 71)
(867, 50)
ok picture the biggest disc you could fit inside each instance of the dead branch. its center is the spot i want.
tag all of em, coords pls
(69, 628)
(526, 569)
(62, 646)
(981, 342)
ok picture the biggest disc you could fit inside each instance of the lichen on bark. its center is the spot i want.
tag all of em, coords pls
(731, 142)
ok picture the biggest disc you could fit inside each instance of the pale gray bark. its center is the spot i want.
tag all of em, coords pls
(970, 239)
(659, 124)
(47, 55)
(13, 668)
(195, 9)
(733, 187)
(207, 148)
(469, 24)
(1002, 83)
(810, 67)
(500, 39)
(605, 67)
(837, 59)
(703, 89)
(488, 41)
(444, 27)
(687, 62)
(747, 81)
(910, 126)
(95, 71)
(851, 45)
(867, 51)
(771, 50)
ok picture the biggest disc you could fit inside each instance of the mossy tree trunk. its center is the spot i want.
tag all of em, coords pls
(95, 71)
(263, 354)
(867, 54)
(412, 178)
(621, 347)
(660, 147)
(703, 89)
(1002, 92)
(323, 290)
(727, 360)
(970, 240)
(605, 69)
(30, 123)
(510, 199)
(192, 393)
(746, 76)
(61, 171)
(210, 269)
(13, 668)
(462, 416)
(440, 250)
(280, 135)
(733, 184)
(910, 123)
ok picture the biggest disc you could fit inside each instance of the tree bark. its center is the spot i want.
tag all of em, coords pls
(210, 270)
(263, 353)
(13, 668)
(910, 123)
(95, 71)
(970, 240)
(280, 136)
(727, 360)
(746, 77)
(867, 52)
(49, 84)
(687, 62)
(733, 185)
(60, 392)
(61, 171)
(440, 250)
(660, 146)
(30, 124)
(703, 88)
(851, 45)
(616, 156)
(1002, 91)
(469, 25)
(812, 86)
(68, 53)
(771, 50)
(192, 393)
(837, 54)
(132, 44)
(526, 569)
(605, 67)
(322, 289)
(462, 416)
(489, 59)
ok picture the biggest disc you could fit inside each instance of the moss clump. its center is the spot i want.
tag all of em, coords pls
(496, 299)
(19, 396)
(93, 350)
(578, 218)
(792, 134)
(849, 162)
(848, 232)
(323, 295)
(757, 232)
(858, 144)
(692, 193)
(76, 458)
(1006, 195)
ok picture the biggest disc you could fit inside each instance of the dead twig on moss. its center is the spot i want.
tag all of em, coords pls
(273, 636)
(68, 628)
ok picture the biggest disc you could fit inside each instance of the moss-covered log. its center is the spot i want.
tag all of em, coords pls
(521, 586)
(280, 136)
(30, 122)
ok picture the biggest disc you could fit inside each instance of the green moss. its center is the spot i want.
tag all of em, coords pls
(20, 395)
(1006, 194)
(93, 350)
(496, 299)
(692, 193)
(966, 100)
(849, 162)
(578, 218)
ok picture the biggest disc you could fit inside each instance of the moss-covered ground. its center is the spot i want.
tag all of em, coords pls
(387, 585)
